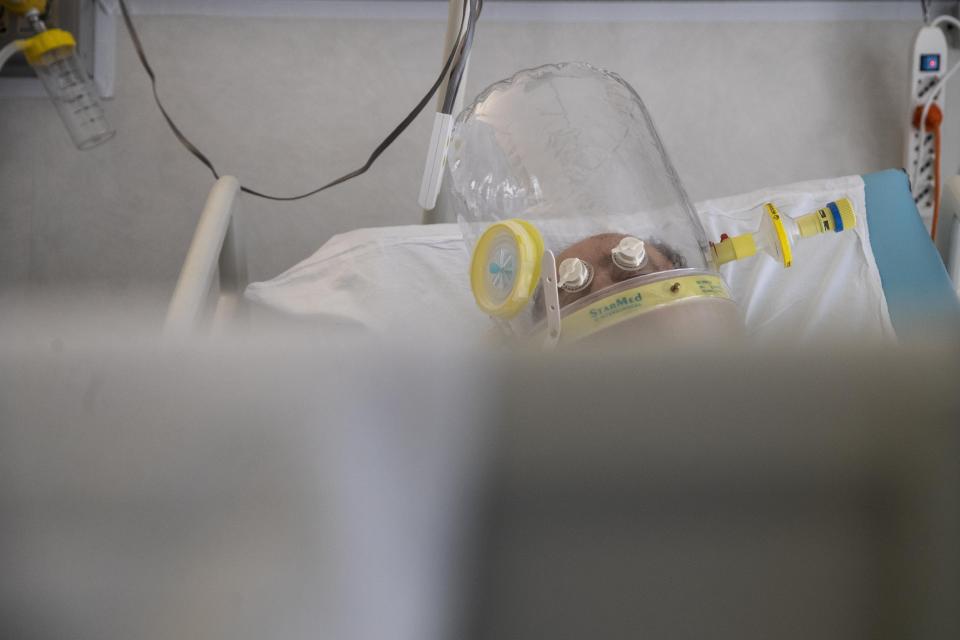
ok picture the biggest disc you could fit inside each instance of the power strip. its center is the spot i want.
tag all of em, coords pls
(927, 66)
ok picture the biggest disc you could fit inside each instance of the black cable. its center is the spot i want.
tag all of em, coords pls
(457, 48)
(456, 74)
(153, 82)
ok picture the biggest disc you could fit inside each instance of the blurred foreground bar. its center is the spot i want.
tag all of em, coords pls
(281, 489)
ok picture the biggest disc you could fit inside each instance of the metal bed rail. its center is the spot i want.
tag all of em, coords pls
(209, 291)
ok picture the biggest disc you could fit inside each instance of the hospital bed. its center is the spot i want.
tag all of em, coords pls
(915, 282)
(917, 288)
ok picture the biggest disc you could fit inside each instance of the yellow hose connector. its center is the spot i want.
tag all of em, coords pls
(836, 216)
(735, 248)
(778, 234)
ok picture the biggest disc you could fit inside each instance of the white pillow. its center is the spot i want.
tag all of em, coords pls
(405, 281)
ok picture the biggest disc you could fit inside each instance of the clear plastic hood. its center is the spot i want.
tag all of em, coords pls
(572, 149)
(571, 153)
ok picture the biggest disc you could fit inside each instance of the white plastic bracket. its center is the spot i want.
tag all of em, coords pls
(551, 298)
(105, 47)
(436, 159)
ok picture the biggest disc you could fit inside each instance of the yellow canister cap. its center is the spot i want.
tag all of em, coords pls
(21, 7)
(34, 48)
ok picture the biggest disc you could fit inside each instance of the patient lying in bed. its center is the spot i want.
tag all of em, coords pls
(401, 281)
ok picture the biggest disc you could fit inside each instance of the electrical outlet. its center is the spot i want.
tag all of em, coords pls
(927, 66)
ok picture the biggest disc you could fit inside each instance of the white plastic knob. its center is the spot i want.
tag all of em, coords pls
(574, 274)
(630, 254)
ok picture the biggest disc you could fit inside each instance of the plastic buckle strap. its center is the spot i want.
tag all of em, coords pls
(551, 298)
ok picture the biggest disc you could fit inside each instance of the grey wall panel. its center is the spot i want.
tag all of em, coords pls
(286, 104)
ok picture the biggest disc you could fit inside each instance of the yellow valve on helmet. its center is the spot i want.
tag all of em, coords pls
(53, 39)
(735, 248)
(21, 7)
(505, 267)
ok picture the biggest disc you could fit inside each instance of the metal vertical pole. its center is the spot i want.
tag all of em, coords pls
(454, 11)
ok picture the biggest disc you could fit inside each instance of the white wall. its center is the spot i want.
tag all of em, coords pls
(288, 103)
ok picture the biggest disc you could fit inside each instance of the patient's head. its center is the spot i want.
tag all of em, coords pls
(613, 259)
(597, 252)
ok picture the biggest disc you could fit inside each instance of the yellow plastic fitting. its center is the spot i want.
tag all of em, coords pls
(810, 224)
(847, 213)
(34, 48)
(735, 248)
(780, 235)
(20, 7)
(824, 219)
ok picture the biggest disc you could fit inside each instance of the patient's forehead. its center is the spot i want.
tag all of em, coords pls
(596, 251)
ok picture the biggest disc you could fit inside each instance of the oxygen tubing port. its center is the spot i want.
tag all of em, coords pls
(778, 234)
(735, 248)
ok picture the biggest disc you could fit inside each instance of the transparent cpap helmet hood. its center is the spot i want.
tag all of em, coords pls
(572, 212)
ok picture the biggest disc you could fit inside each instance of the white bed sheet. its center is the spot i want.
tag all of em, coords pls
(407, 281)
